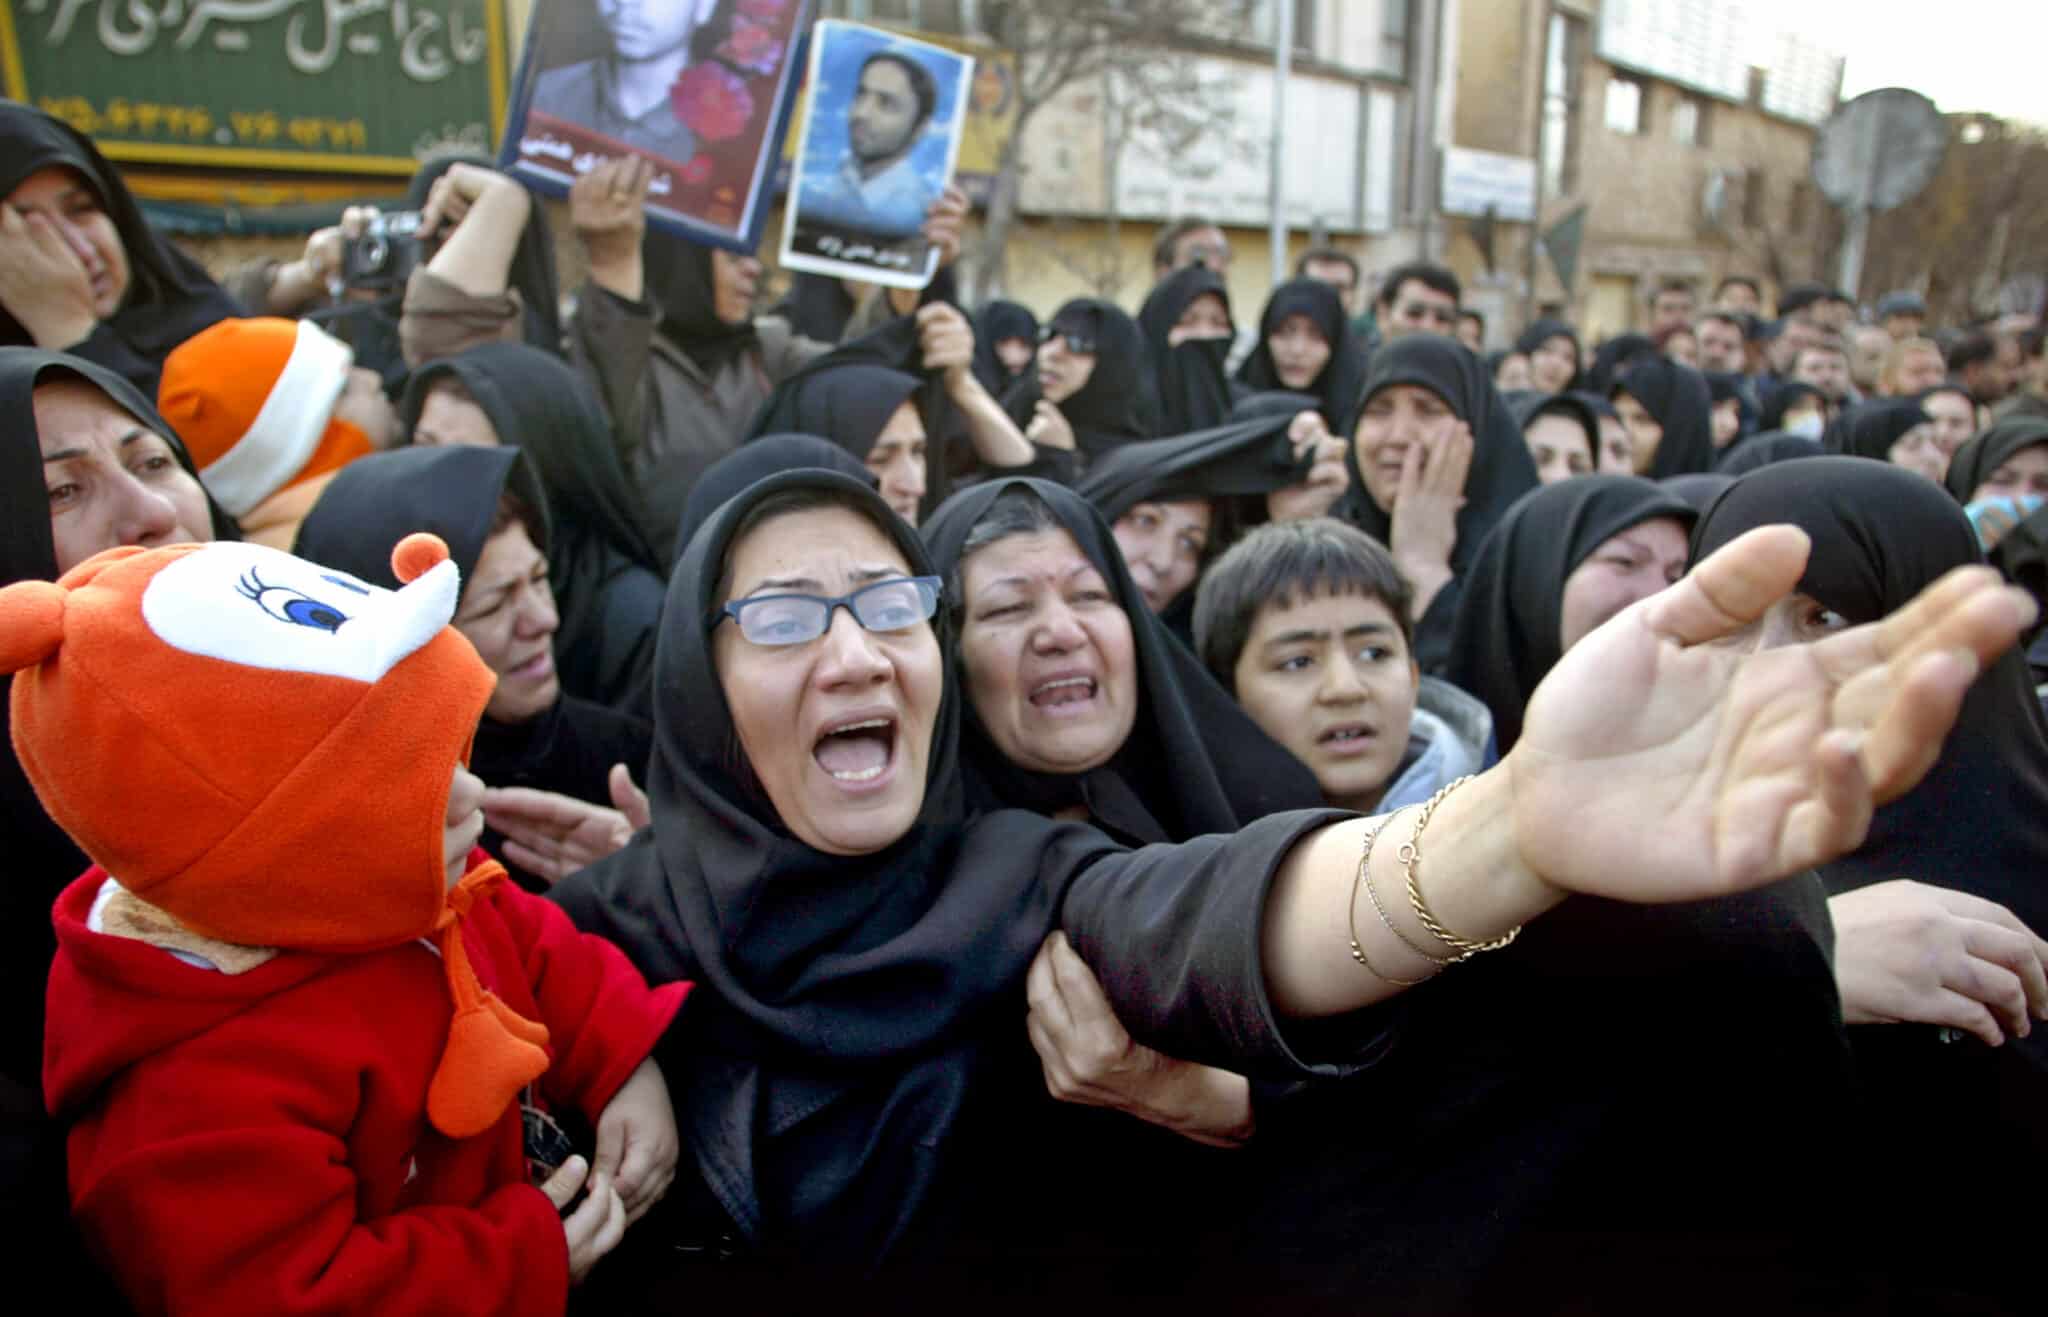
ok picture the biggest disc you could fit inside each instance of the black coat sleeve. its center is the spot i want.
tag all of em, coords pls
(1173, 932)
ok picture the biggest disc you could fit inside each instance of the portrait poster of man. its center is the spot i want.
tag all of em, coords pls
(881, 135)
(700, 88)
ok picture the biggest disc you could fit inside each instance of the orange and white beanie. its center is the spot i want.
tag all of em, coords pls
(254, 402)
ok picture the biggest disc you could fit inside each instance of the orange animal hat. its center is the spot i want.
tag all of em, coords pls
(262, 748)
(254, 402)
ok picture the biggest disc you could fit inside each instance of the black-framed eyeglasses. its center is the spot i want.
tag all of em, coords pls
(792, 619)
(1077, 343)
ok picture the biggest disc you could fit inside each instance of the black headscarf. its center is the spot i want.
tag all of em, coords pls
(376, 501)
(1343, 376)
(532, 271)
(1676, 395)
(1528, 404)
(843, 1003)
(995, 322)
(1502, 470)
(1771, 416)
(1698, 489)
(1979, 821)
(170, 297)
(1870, 429)
(1189, 378)
(1765, 449)
(1253, 456)
(816, 306)
(608, 583)
(1194, 762)
(1116, 405)
(679, 280)
(1510, 617)
(1974, 462)
(1541, 332)
(758, 459)
(1615, 358)
(847, 396)
(41, 859)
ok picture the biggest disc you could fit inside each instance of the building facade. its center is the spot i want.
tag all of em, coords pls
(1680, 135)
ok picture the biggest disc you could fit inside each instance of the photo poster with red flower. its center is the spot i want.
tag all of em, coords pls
(882, 123)
(701, 89)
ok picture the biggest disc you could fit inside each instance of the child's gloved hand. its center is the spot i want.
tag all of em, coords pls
(598, 1223)
(465, 822)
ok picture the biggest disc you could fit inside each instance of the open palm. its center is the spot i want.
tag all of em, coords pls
(1663, 761)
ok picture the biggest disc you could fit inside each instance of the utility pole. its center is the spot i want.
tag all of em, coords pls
(1283, 65)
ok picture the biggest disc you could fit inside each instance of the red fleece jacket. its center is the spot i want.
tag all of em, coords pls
(258, 1143)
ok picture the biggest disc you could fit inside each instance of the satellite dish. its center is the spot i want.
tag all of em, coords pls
(1880, 150)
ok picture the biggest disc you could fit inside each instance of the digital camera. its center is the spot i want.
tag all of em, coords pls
(386, 252)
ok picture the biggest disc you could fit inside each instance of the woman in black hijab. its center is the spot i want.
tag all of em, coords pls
(1519, 612)
(1162, 495)
(1091, 378)
(1892, 430)
(1553, 350)
(1420, 390)
(1973, 471)
(125, 319)
(1005, 345)
(1188, 329)
(1560, 452)
(1977, 824)
(1300, 314)
(1616, 358)
(1189, 761)
(1669, 413)
(566, 744)
(40, 858)
(1766, 449)
(1794, 407)
(858, 944)
(608, 583)
(758, 459)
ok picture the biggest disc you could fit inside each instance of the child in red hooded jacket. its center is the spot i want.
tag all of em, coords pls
(305, 1068)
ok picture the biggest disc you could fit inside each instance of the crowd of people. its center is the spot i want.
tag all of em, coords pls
(462, 860)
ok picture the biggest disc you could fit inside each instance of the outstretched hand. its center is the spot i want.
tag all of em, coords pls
(1661, 760)
(552, 836)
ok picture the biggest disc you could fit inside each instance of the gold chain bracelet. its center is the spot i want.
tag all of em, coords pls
(1351, 910)
(1411, 860)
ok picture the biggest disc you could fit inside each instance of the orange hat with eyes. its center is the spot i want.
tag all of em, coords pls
(263, 748)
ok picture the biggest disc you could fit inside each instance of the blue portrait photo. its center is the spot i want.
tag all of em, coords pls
(883, 115)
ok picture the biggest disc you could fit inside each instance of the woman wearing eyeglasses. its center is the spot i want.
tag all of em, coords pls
(1092, 389)
(855, 1090)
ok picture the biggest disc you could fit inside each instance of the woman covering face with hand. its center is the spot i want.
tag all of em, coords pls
(80, 270)
(1435, 460)
(1090, 383)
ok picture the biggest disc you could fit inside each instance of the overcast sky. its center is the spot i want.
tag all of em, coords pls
(1989, 55)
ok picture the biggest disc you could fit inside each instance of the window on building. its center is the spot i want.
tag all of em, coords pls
(1394, 36)
(1753, 199)
(1558, 148)
(1624, 105)
(1265, 21)
(1689, 121)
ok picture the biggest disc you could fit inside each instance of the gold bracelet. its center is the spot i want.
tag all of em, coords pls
(1351, 911)
(1411, 858)
(1406, 941)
